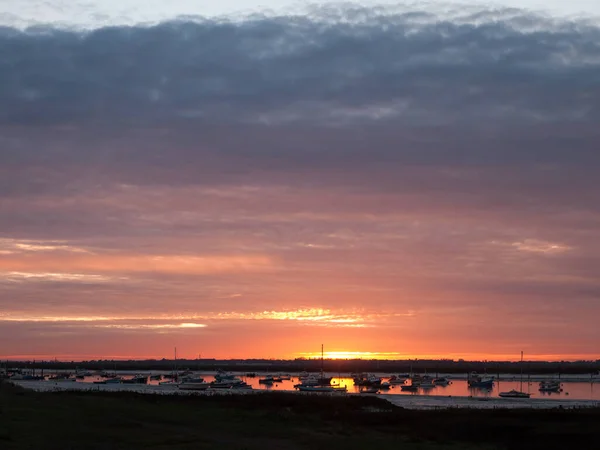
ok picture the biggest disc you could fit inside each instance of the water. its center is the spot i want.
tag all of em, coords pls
(574, 390)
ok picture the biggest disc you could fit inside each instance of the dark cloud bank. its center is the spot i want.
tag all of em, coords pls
(337, 66)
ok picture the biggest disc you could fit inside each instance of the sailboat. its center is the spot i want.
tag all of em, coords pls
(173, 380)
(323, 380)
(320, 383)
(514, 393)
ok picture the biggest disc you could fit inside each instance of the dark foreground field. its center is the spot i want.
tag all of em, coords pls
(30, 420)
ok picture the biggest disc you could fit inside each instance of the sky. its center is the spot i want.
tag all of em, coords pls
(389, 180)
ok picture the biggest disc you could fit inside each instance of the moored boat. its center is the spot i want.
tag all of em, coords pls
(477, 381)
(136, 379)
(267, 380)
(367, 379)
(550, 386)
(514, 394)
(398, 379)
(193, 386)
(321, 388)
(369, 390)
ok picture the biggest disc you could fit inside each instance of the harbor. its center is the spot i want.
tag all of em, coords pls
(453, 392)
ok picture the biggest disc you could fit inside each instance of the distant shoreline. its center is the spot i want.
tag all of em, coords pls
(589, 368)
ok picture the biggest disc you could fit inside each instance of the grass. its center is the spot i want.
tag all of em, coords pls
(101, 420)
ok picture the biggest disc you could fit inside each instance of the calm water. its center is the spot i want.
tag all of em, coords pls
(571, 390)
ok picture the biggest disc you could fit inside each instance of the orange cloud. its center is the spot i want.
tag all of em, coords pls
(116, 263)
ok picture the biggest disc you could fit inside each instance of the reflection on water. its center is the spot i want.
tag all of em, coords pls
(457, 387)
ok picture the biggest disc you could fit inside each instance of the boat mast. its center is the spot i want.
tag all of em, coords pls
(321, 360)
(521, 388)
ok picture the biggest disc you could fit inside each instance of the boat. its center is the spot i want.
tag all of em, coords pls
(194, 386)
(478, 381)
(321, 388)
(223, 376)
(234, 383)
(136, 379)
(267, 380)
(192, 379)
(398, 379)
(309, 381)
(410, 387)
(514, 393)
(550, 386)
(155, 377)
(109, 381)
(323, 380)
(60, 376)
(369, 390)
(26, 377)
(385, 385)
(442, 381)
(426, 382)
(367, 379)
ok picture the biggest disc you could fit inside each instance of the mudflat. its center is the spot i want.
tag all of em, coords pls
(121, 420)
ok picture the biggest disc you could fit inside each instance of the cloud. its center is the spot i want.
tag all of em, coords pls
(181, 264)
(333, 169)
(337, 65)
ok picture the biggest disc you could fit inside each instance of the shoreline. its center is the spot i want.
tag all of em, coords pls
(420, 402)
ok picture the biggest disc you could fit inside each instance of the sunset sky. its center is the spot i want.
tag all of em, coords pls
(390, 180)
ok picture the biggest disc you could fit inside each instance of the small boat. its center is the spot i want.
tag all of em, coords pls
(514, 394)
(369, 390)
(22, 377)
(426, 382)
(385, 385)
(321, 388)
(477, 381)
(550, 386)
(223, 376)
(367, 380)
(441, 381)
(194, 386)
(60, 376)
(410, 387)
(156, 377)
(137, 379)
(266, 380)
(192, 379)
(398, 379)
(234, 383)
(108, 381)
